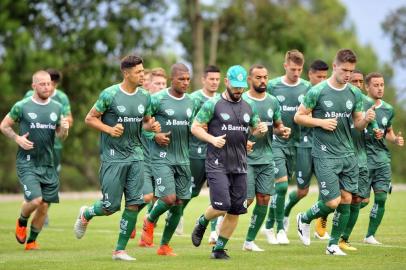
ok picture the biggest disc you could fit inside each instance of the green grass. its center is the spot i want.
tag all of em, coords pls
(60, 249)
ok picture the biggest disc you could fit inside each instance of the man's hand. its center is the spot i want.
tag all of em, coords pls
(262, 128)
(370, 114)
(117, 130)
(285, 132)
(153, 125)
(378, 133)
(23, 142)
(399, 139)
(219, 141)
(329, 124)
(250, 146)
(163, 138)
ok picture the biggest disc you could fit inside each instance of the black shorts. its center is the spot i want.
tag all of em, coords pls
(228, 192)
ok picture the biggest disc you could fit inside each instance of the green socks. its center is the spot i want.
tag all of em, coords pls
(33, 234)
(95, 210)
(22, 220)
(281, 189)
(213, 224)
(377, 212)
(220, 243)
(159, 208)
(203, 221)
(271, 213)
(317, 210)
(363, 204)
(175, 213)
(127, 225)
(258, 216)
(293, 199)
(340, 221)
(354, 212)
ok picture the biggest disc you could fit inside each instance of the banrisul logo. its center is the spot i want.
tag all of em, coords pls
(141, 109)
(121, 108)
(349, 104)
(270, 113)
(384, 121)
(32, 115)
(225, 116)
(246, 117)
(300, 98)
(170, 112)
(189, 112)
(328, 103)
(53, 116)
(281, 98)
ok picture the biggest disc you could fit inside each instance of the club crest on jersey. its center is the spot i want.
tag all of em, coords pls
(349, 104)
(384, 121)
(328, 103)
(189, 112)
(270, 113)
(300, 98)
(225, 116)
(32, 115)
(141, 109)
(281, 98)
(170, 112)
(53, 116)
(246, 117)
(121, 108)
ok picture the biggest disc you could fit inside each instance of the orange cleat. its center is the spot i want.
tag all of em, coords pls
(31, 246)
(21, 233)
(141, 243)
(132, 236)
(165, 250)
(147, 235)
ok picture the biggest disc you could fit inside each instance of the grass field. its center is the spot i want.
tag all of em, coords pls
(60, 249)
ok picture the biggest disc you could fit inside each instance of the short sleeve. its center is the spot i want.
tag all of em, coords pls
(104, 101)
(311, 98)
(16, 112)
(206, 112)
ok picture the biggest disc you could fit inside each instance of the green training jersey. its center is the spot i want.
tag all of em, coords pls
(377, 151)
(328, 102)
(128, 109)
(63, 99)
(174, 115)
(289, 97)
(40, 120)
(269, 111)
(198, 148)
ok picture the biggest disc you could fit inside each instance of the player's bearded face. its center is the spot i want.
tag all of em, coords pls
(235, 93)
(260, 88)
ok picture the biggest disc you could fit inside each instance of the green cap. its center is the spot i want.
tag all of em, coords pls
(237, 76)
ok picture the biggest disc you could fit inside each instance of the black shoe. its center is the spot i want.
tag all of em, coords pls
(219, 254)
(197, 234)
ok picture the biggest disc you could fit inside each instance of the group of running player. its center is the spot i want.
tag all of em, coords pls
(159, 145)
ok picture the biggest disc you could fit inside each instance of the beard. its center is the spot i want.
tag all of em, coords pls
(232, 95)
(260, 88)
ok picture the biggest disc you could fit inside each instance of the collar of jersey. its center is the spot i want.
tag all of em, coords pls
(334, 88)
(257, 99)
(290, 85)
(126, 93)
(167, 91)
(39, 103)
(206, 96)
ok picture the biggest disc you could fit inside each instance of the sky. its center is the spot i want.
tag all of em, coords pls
(367, 16)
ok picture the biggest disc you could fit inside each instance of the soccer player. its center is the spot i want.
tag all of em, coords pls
(40, 118)
(379, 166)
(289, 90)
(304, 163)
(334, 105)
(120, 114)
(261, 168)
(173, 108)
(227, 119)
(157, 80)
(198, 149)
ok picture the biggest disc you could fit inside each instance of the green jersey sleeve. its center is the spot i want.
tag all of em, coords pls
(359, 100)
(29, 93)
(254, 121)
(206, 112)
(277, 116)
(16, 111)
(311, 97)
(153, 104)
(64, 100)
(104, 101)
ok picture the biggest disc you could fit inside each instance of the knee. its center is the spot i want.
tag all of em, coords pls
(169, 200)
(148, 197)
(356, 199)
(37, 202)
(346, 198)
(301, 193)
(262, 199)
(333, 204)
(249, 201)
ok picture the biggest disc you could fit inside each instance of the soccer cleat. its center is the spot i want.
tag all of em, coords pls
(197, 234)
(335, 251)
(147, 235)
(270, 236)
(165, 250)
(371, 240)
(141, 243)
(121, 255)
(219, 254)
(21, 233)
(286, 224)
(133, 233)
(282, 238)
(31, 246)
(303, 230)
(179, 228)
(320, 228)
(251, 246)
(213, 238)
(80, 224)
(345, 245)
